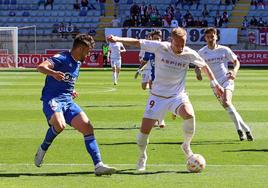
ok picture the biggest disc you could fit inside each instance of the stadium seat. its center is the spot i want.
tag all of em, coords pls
(13, 2)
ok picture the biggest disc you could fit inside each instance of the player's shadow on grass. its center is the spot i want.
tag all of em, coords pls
(13, 175)
(120, 172)
(137, 173)
(247, 150)
(217, 142)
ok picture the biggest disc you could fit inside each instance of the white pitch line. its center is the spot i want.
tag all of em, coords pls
(154, 165)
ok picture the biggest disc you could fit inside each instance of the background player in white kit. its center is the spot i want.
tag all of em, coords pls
(168, 90)
(217, 57)
(114, 56)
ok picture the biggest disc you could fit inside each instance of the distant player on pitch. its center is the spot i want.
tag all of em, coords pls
(217, 57)
(114, 56)
(62, 71)
(172, 60)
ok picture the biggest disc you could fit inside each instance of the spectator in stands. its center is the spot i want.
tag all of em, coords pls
(174, 23)
(225, 17)
(245, 23)
(261, 23)
(102, 7)
(260, 5)
(116, 6)
(218, 21)
(144, 21)
(204, 22)
(178, 16)
(70, 29)
(62, 30)
(198, 22)
(187, 14)
(143, 9)
(165, 21)
(253, 21)
(127, 22)
(84, 4)
(155, 18)
(76, 5)
(115, 22)
(92, 31)
(205, 11)
(49, 2)
(135, 11)
(227, 2)
(254, 3)
(190, 21)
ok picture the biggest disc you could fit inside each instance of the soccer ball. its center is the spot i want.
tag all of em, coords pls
(196, 163)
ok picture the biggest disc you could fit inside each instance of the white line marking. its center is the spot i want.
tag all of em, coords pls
(154, 165)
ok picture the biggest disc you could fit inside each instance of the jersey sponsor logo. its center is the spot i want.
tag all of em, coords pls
(177, 64)
(69, 78)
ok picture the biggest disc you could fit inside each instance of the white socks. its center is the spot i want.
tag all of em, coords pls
(142, 141)
(188, 129)
(238, 121)
(114, 77)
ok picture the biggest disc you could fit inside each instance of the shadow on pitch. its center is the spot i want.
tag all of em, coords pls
(247, 150)
(13, 175)
(223, 142)
(137, 173)
(120, 172)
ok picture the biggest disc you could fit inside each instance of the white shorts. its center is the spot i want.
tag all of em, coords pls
(157, 107)
(116, 63)
(228, 84)
(146, 76)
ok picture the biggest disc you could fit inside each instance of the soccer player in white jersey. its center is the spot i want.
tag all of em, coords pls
(147, 69)
(114, 56)
(172, 60)
(217, 57)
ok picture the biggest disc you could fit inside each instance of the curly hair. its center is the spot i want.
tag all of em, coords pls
(85, 40)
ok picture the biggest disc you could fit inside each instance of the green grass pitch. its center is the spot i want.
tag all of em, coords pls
(116, 113)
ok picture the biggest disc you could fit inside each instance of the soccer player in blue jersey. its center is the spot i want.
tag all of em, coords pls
(62, 71)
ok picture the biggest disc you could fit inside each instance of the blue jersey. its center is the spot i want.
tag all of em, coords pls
(65, 63)
(150, 58)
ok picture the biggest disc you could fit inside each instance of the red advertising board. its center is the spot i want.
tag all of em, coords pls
(95, 59)
(131, 57)
(253, 57)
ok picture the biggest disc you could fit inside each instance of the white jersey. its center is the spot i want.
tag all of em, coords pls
(170, 68)
(217, 60)
(115, 49)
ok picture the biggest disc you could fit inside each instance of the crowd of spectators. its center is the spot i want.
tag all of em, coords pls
(149, 15)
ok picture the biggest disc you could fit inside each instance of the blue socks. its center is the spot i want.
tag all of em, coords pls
(51, 134)
(92, 148)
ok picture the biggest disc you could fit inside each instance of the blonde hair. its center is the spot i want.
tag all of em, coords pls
(178, 32)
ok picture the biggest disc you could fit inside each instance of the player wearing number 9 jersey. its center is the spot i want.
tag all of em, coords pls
(172, 60)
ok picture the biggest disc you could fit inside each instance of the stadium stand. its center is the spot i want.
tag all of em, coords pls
(22, 13)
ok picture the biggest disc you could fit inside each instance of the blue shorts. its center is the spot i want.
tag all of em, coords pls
(66, 106)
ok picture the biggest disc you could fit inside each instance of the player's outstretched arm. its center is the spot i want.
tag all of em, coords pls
(124, 40)
(218, 90)
(47, 68)
(141, 67)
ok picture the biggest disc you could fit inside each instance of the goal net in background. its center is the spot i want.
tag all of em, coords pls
(8, 47)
